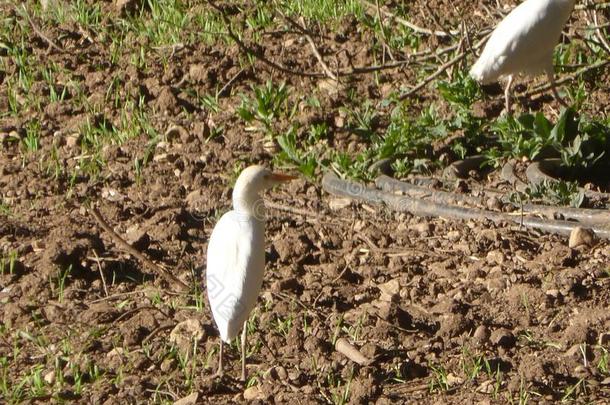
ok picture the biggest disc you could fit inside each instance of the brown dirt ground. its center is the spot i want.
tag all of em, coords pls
(413, 293)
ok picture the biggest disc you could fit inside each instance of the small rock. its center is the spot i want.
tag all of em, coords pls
(252, 393)
(137, 237)
(194, 198)
(198, 73)
(72, 140)
(167, 365)
(453, 236)
(503, 337)
(495, 257)
(339, 121)
(176, 132)
(188, 400)
(425, 228)
(281, 373)
(125, 7)
(494, 204)
(487, 387)
(553, 292)
(186, 334)
(49, 377)
(338, 203)
(481, 334)
(604, 339)
(389, 290)
(581, 236)
(453, 380)
(270, 146)
(330, 86)
(112, 194)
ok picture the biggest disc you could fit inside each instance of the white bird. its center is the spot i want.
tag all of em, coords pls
(236, 257)
(523, 42)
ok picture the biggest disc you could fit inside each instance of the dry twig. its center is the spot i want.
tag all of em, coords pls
(38, 31)
(170, 278)
(408, 24)
(564, 79)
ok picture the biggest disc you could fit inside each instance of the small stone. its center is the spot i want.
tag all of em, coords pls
(389, 290)
(188, 400)
(175, 132)
(553, 292)
(186, 334)
(252, 393)
(338, 203)
(198, 73)
(502, 337)
(270, 146)
(453, 380)
(453, 236)
(137, 237)
(281, 373)
(72, 140)
(330, 86)
(581, 236)
(494, 203)
(487, 387)
(384, 310)
(339, 121)
(481, 334)
(495, 257)
(125, 7)
(112, 194)
(49, 377)
(424, 229)
(604, 339)
(167, 365)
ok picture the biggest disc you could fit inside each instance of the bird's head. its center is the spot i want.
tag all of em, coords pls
(252, 181)
(258, 178)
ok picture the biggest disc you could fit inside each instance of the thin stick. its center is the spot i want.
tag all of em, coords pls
(258, 55)
(434, 75)
(38, 32)
(316, 53)
(599, 33)
(564, 79)
(442, 68)
(99, 267)
(409, 24)
(230, 82)
(170, 278)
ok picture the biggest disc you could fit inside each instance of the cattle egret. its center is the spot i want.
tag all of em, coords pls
(236, 257)
(523, 42)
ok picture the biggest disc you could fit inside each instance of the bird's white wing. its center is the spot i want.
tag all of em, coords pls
(235, 263)
(523, 41)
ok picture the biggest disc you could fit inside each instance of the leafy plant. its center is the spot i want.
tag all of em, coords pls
(269, 102)
(579, 142)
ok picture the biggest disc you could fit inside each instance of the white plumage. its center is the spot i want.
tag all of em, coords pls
(523, 42)
(236, 256)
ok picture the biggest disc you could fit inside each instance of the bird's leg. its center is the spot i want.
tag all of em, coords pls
(507, 94)
(551, 76)
(219, 372)
(243, 351)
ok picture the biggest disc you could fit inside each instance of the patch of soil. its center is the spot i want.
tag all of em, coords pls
(447, 310)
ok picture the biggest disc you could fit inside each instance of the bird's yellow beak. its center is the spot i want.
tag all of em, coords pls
(281, 178)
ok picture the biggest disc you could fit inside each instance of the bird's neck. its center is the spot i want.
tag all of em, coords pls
(250, 204)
